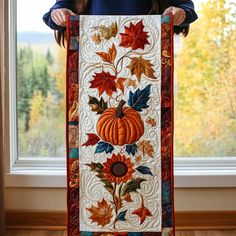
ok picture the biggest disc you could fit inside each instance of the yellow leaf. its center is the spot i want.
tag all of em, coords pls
(107, 32)
(139, 66)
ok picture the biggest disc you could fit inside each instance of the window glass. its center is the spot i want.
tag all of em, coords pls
(40, 75)
(205, 84)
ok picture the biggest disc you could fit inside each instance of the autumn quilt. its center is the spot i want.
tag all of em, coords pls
(119, 125)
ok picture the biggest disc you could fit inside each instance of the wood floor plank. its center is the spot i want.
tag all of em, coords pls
(63, 233)
(34, 233)
(206, 233)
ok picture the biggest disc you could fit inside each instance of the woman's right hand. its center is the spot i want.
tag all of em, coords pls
(59, 16)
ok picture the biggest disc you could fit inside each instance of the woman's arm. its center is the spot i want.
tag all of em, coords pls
(61, 7)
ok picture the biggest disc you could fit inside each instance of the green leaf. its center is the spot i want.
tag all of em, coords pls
(132, 186)
(97, 106)
(97, 167)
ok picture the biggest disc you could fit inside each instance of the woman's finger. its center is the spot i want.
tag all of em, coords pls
(59, 15)
(62, 14)
(56, 19)
(179, 18)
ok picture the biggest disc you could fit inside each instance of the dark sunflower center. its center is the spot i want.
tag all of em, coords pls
(119, 169)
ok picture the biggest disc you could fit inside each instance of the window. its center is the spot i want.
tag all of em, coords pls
(205, 104)
(40, 85)
(36, 96)
(205, 72)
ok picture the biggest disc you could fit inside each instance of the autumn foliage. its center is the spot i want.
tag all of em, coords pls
(205, 103)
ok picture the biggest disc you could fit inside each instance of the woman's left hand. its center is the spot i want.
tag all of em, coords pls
(179, 14)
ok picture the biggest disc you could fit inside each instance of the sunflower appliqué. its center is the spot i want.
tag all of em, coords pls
(118, 169)
(117, 176)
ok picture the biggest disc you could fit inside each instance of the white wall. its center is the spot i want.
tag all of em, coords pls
(186, 199)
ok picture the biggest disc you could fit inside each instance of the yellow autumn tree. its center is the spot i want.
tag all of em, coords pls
(60, 77)
(36, 107)
(205, 104)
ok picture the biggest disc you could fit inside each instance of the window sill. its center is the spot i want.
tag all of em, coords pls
(189, 173)
(38, 173)
(205, 172)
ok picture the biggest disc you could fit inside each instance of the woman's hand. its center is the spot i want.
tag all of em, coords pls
(179, 14)
(59, 16)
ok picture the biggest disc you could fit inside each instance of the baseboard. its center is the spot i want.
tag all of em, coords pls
(41, 220)
(205, 220)
(185, 220)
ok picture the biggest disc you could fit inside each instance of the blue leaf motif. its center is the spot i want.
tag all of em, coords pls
(144, 170)
(138, 100)
(121, 216)
(131, 149)
(104, 147)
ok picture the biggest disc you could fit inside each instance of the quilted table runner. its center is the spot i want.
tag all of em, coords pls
(119, 125)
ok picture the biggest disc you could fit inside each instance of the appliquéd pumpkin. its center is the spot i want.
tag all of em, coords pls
(121, 125)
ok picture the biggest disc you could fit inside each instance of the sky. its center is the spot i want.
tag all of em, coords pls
(32, 20)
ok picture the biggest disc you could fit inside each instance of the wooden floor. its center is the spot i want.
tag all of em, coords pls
(63, 233)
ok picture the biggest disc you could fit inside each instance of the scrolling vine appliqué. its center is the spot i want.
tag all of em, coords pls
(119, 124)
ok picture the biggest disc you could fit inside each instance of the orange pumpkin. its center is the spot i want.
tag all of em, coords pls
(120, 125)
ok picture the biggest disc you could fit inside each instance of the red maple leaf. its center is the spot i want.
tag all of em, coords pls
(104, 82)
(142, 212)
(134, 36)
(92, 140)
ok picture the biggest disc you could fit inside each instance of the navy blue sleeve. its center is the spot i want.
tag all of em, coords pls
(59, 4)
(188, 7)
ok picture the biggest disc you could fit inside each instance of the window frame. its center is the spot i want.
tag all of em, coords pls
(51, 172)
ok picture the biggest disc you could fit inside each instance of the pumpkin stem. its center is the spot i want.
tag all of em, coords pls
(119, 112)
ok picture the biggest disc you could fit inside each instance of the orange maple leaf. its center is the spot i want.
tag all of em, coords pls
(132, 83)
(118, 202)
(120, 84)
(128, 198)
(101, 214)
(108, 56)
(96, 38)
(139, 66)
(146, 147)
(138, 158)
(151, 121)
(142, 212)
(134, 36)
(104, 82)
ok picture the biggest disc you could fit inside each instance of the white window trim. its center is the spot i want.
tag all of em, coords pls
(51, 172)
